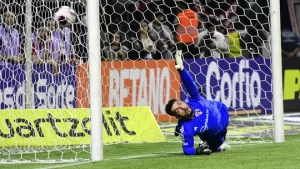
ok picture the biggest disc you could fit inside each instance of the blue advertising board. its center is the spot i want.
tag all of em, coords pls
(48, 90)
(241, 84)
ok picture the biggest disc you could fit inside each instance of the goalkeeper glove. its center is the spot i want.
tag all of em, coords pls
(203, 148)
(178, 60)
(177, 131)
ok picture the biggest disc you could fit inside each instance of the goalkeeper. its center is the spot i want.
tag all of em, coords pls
(198, 117)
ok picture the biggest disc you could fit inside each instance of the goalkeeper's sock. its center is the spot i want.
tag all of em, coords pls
(224, 147)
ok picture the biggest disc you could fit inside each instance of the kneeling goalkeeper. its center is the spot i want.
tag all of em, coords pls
(198, 117)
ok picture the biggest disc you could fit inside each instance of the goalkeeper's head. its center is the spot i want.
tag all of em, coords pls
(179, 109)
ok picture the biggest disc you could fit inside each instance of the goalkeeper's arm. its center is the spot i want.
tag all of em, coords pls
(186, 78)
(188, 145)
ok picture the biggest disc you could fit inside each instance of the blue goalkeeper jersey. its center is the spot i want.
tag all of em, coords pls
(210, 117)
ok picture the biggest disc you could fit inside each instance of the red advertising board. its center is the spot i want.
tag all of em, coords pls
(133, 83)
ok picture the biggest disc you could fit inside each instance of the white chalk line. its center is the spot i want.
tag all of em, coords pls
(134, 157)
(123, 158)
(120, 158)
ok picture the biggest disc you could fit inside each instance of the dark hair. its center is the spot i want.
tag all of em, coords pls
(169, 105)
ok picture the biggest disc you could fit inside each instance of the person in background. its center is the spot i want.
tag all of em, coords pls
(62, 40)
(186, 27)
(162, 35)
(10, 49)
(144, 44)
(243, 42)
(212, 42)
(50, 24)
(290, 43)
(235, 43)
(115, 50)
(42, 48)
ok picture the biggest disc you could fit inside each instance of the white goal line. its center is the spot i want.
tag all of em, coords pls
(120, 158)
(133, 157)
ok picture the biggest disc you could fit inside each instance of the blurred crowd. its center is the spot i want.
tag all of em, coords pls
(201, 28)
(137, 30)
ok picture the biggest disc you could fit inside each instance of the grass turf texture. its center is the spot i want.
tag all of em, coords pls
(169, 156)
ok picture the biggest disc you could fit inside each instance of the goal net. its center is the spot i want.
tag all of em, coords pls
(44, 73)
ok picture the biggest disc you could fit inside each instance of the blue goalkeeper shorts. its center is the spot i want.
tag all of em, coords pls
(215, 141)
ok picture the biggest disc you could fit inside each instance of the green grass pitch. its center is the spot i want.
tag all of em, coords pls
(169, 156)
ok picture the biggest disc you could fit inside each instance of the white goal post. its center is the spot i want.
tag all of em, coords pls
(95, 79)
(106, 78)
(277, 71)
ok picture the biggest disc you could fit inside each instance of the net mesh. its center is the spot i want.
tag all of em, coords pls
(225, 47)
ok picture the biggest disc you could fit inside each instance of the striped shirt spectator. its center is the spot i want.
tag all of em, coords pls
(42, 47)
(62, 47)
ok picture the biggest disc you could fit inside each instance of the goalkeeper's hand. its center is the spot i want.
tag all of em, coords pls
(203, 148)
(178, 60)
(177, 131)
